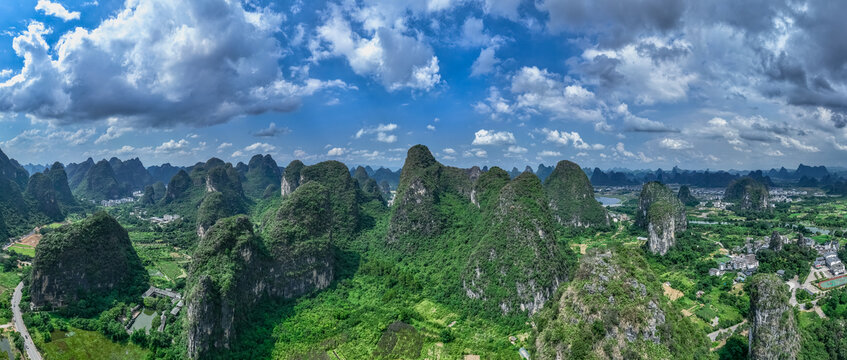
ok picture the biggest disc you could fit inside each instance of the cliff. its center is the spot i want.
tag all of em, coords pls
(294, 254)
(773, 329)
(662, 214)
(291, 177)
(572, 197)
(100, 183)
(517, 265)
(93, 259)
(748, 194)
(12, 170)
(614, 309)
(262, 172)
(131, 173)
(423, 182)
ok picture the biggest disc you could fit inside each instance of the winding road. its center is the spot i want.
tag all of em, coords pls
(31, 350)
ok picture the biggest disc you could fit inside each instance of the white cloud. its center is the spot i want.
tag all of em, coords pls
(644, 79)
(549, 153)
(491, 137)
(514, 149)
(383, 132)
(112, 132)
(430, 127)
(398, 61)
(480, 153)
(449, 151)
(224, 146)
(675, 144)
(563, 138)
(261, 147)
(539, 90)
(172, 146)
(336, 151)
(486, 62)
(473, 33)
(56, 9)
(157, 63)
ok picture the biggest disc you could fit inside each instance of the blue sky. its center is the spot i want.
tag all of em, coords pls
(639, 84)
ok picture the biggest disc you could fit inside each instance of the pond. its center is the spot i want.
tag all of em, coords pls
(608, 201)
(144, 320)
(6, 347)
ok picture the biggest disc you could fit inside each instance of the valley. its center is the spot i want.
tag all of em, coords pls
(464, 263)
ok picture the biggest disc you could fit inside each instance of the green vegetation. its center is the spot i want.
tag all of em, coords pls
(106, 267)
(572, 197)
(23, 249)
(82, 344)
(747, 194)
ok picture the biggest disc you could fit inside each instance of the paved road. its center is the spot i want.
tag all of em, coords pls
(31, 350)
(714, 335)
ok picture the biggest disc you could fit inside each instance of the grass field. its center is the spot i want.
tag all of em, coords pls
(23, 249)
(83, 344)
(171, 269)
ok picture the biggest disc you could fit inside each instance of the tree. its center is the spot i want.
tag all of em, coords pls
(734, 349)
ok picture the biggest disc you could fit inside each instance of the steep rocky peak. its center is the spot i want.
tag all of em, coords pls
(419, 157)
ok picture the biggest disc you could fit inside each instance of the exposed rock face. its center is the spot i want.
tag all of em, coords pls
(233, 271)
(747, 193)
(572, 197)
(773, 329)
(91, 258)
(662, 214)
(291, 177)
(517, 265)
(422, 184)
(293, 256)
(607, 312)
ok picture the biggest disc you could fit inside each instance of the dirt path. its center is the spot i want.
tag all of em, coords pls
(672, 293)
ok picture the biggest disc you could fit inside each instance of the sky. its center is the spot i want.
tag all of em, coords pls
(638, 84)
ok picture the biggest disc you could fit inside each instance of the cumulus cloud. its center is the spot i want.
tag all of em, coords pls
(549, 153)
(336, 151)
(675, 144)
(479, 153)
(516, 150)
(260, 147)
(157, 63)
(564, 138)
(486, 62)
(272, 131)
(56, 9)
(492, 137)
(384, 52)
(383, 133)
(172, 146)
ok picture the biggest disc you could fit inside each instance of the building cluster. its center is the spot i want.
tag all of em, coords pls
(176, 300)
(164, 219)
(829, 258)
(115, 202)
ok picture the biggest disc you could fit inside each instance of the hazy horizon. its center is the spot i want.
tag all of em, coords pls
(736, 86)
